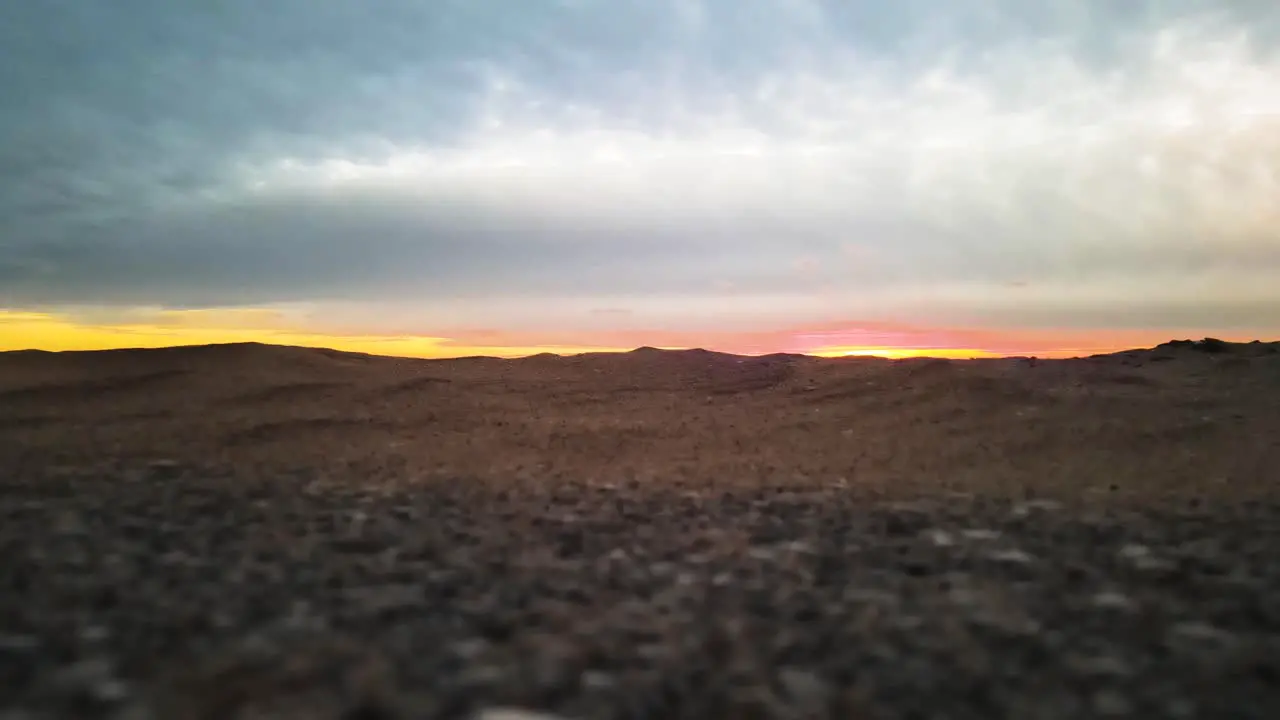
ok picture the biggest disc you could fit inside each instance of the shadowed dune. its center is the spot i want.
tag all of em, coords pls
(296, 391)
(1198, 421)
(417, 384)
(300, 430)
(85, 389)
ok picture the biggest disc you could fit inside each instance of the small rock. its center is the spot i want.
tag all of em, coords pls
(908, 622)
(163, 469)
(110, 690)
(18, 643)
(1153, 564)
(479, 676)
(1110, 600)
(380, 598)
(1026, 508)
(597, 680)
(940, 538)
(1201, 632)
(662, 569)
(799, 547)
(514, 714)
(470, 648)
(94, 634)
(980, 534)
(70, 522)
(1134, 552)
(86, 676)
(870, 596)
(1143, 559)
(1009, 622)
(806, 690)
(1100, 666)
(1109, 703)
(1012, 556)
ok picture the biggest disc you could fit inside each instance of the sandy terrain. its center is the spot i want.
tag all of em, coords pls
(240, 529)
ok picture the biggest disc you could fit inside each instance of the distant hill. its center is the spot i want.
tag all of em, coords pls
(255, 351)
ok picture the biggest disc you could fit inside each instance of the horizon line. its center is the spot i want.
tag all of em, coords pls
(883, 353)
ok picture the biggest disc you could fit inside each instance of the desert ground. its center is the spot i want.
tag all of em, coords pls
(252, 531)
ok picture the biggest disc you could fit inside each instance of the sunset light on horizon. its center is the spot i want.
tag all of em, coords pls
(47, 331)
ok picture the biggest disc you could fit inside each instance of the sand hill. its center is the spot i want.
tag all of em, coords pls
(1171, 419)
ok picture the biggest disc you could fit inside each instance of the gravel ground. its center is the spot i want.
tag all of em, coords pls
(172, 592)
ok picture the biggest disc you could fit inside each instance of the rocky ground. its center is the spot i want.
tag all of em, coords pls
(203, 594)
(260, 532)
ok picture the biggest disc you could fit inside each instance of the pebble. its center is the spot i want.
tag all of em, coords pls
(1012, 556)
(515, 714)
(1132, 551)
(1199, 631)
(1143, 558)
(1024, 509)
(805, 688)
(379, 598)
(111, 690)
(596, 680)
(940, 538)
(470, 649)
(1110, 600)
(19, 643)
(1109, 703)
(94, 634)
(163, 469)
(1100, 665)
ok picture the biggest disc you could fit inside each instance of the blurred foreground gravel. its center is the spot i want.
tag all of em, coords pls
(169, 592)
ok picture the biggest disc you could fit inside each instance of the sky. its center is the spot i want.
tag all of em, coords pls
(457, 177)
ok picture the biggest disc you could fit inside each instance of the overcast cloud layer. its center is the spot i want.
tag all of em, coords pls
(1082, 163)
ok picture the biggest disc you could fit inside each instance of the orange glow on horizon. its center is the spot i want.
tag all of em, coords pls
(167, 328)
(45, 331)
(900, 353)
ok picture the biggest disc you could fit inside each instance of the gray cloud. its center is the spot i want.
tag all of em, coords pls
(401, 151)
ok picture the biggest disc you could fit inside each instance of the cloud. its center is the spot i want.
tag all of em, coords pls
(452, 163)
